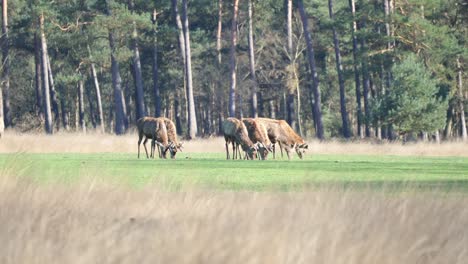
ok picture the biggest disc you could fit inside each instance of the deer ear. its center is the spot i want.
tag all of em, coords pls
(158, 143)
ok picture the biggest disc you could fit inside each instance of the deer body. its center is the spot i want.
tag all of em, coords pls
(172, 136)
(280, 132)
(154, 129)
(236, 133)
(258, 133)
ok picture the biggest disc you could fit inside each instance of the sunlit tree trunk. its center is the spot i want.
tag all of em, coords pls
(233, 61)
(357, 79)
(339, 69)
(365, 81)
(316, 107)
(100, 121)
(53, 95)
(461, 100)
(5, 81)
(252, 63)
(192, 118)
(45, 80)
(291, 87)
(81, 106)
(38, 75)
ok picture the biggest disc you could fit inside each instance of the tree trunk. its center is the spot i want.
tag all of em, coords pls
(5, 86)
(64, 110)
(316, 107)
(253, 99)
(365, 82)
(178, 23)
(100, 121)
(139, 90)
(219, 30)
(357, 79)
(92, 115)
(177, 110)
(157, 95)
(233, 61)
(53, 95)
(119, 99)
(45, 80)
(192, 119)
(81, 106)
(291, 87)
(339, 70)
(461, 100)
(38, 75)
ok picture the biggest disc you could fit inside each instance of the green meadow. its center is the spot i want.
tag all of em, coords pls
(214, 171)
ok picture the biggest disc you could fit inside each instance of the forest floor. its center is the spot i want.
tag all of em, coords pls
(88, 199)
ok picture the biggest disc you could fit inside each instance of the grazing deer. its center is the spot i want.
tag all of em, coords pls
(236, 133)
(258, 133)
(280, 132)
(172, 136)
(154, 129)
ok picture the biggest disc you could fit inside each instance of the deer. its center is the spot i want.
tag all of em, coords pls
(280, 132)
(172, 136)
(154, 129)
(236, 133)
(258, 133)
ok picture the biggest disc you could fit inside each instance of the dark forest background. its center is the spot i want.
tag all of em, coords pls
(383, 69)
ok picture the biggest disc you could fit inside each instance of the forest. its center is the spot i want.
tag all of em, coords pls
(347, 69)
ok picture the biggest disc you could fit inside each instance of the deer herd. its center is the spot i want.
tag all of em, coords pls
(253, 135)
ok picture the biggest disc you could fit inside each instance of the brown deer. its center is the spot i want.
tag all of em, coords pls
(280, 132)
(154, 129)
(236, 133)
(258, 133)
(172, 136)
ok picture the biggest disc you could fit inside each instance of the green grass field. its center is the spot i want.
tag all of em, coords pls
(213, 171)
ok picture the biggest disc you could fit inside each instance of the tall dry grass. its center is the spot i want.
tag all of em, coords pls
(94, 222)
(94, 142)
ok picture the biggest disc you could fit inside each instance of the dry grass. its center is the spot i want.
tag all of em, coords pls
(93, 142)
(93, 222)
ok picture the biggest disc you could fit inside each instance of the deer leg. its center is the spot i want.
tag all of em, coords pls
(144, 145)
(139, 142)
(227, 149)
(287, 150)
(281, 149)
(234, 150)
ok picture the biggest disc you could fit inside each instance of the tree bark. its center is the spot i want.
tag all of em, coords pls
(100, 121)
(233, 61)
(253, 98)
(357, 79)
(119, 99)
(45, 80)
(38, 75)
(192, 119)
(365, 82)
(157, 95)
(461, 100)
(219, 30)
(139, 90)
(289, 102)
(339, 69)
(316, 107)
(53, 95)
(64, 110)
(92, 114)
(81, 106)
(5, 82)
